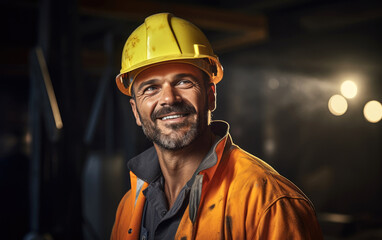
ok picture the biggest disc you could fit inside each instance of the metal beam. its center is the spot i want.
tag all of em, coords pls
(240, 28)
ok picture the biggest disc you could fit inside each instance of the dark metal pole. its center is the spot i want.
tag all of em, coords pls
(104, 85)
(35, 123)
(35, 160)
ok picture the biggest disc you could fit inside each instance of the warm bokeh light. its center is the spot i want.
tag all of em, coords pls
(337, 105)
(349, 89)
(373, 111)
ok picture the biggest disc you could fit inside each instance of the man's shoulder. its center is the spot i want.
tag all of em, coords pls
(248, 162)
(248, 165)
(251, 174)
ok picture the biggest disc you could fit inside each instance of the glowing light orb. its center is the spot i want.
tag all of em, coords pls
(349, 89)
(373, 111)
(337, 105)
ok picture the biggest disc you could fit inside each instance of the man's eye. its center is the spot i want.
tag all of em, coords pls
(149, 89)
(184, 83)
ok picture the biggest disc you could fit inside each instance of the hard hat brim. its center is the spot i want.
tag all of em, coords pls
(210, 66)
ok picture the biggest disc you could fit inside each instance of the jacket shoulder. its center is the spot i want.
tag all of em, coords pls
(253, 174)
(251, 162)
(266, 198)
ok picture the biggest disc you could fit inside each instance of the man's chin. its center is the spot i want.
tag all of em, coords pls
(170, 143)
(174, 135)
(176, 139)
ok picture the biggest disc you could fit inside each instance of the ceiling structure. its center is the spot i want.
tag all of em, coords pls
(230, 25)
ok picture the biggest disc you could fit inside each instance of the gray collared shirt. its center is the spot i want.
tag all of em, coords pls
(157, 221)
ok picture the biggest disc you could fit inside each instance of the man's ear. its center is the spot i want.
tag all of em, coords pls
(135, 111)
(211, 94)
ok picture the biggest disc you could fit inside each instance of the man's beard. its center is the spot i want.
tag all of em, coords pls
(176, 139)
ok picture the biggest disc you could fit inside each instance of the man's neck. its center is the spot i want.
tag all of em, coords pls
(178, 166)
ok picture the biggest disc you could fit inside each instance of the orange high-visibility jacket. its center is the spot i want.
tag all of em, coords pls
(241, 197)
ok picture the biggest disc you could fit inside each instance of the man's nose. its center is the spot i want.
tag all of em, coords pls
(169, 96)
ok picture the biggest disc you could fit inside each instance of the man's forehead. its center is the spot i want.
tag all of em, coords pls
(169, 69)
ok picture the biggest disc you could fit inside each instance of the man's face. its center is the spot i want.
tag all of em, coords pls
(172, 104)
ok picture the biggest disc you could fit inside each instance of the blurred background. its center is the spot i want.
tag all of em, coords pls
(299, 76)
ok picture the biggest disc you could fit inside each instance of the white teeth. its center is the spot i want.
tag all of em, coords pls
(171, 117)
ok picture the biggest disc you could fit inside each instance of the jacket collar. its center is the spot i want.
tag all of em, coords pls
(146, 165)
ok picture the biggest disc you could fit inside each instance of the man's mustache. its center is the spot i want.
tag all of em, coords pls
(178, 107)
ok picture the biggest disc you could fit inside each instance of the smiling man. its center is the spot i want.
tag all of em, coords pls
(174, 104)
(194, 183)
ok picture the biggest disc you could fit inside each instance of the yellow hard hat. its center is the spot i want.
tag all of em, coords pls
(162, 38)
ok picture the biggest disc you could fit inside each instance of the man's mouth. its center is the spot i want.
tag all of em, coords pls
(174, 112)
(174, 116)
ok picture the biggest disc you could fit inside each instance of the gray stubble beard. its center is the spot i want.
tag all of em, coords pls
(168, 142)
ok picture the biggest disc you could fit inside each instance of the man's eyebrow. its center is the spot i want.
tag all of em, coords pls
(145, 83)
(177, 76)
(183, 75)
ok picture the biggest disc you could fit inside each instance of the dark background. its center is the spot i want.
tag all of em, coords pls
(283, 60)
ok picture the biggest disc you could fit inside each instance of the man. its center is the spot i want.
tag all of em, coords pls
(194, 183)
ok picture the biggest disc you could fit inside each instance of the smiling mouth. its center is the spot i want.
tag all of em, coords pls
(173, 116)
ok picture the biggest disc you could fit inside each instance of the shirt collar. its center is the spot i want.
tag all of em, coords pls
(146, 165)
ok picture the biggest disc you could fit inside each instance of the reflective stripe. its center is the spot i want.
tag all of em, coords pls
(140, 183)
